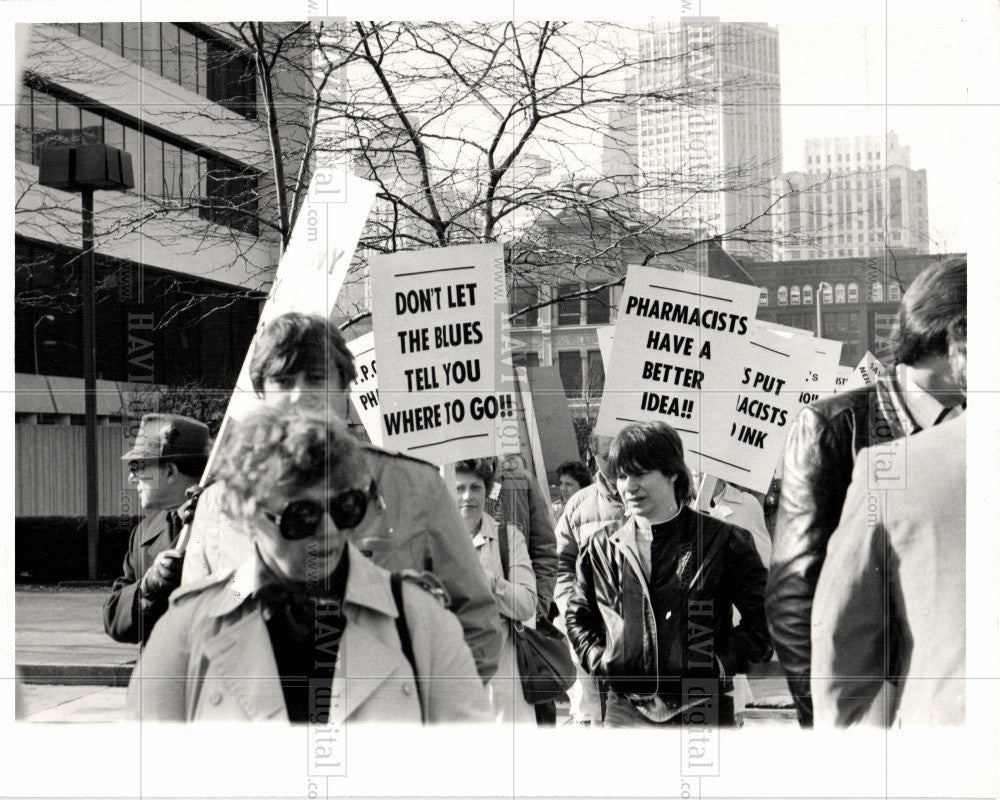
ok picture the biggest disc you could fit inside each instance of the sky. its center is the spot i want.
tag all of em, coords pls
(840, 79)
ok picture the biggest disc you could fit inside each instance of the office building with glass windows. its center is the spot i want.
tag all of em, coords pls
(183, 260)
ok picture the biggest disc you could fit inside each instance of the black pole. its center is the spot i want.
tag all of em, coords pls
(90, 379)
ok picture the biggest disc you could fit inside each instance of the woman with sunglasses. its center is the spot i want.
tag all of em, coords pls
(307, 629)
(515, 593)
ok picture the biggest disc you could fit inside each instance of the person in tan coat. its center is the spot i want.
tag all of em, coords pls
(301, 361)
(307, 629)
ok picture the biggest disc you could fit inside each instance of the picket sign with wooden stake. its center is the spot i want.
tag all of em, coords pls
(309, 276)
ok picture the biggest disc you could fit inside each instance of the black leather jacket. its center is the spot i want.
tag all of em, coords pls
(818, 462)
(610, 619)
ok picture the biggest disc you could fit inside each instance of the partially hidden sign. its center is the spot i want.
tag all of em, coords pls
(746, 428)
(866, 373)
(364, 389)
(679, 339)
(316, 261)
(436, 317)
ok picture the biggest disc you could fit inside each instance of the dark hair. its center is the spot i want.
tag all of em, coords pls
(936, 298)
(958, 330)
(297, 342)
(284, 451)
(188, 466)
(646, 446)
(482, 468)
(576, 471)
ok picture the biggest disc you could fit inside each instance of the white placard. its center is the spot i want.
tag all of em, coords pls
(679, 338)
(315, 262)
(843, 376)
(821, 377)
(866, 373)
(605, 341)
(364, 388)
(749, 425)
(436, 318)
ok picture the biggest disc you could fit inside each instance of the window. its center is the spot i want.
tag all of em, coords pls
(568, 311)
(782, 295)
(807, 295)
(597, 307)
(827, 294)
(214, 68)
(852, 293)
(225, 190)
(525, 359)
(595, 374)
(795, 296)
(763, 296)
(877, 292)
(840, 294)
(894, 292)
(522, 297)
(571, 372)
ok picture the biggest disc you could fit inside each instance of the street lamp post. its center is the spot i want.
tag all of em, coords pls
(84, 169)
(34, 335)
(819, 310)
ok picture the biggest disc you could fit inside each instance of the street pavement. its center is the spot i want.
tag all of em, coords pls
(71, 671)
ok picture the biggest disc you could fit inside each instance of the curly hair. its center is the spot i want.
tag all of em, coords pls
(282, 452)
(296, 342)
(482, 468)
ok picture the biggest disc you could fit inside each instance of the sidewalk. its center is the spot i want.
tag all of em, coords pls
(71, 671)
(59, 638)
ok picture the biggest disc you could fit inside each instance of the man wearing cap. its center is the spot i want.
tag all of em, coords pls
(168, 458)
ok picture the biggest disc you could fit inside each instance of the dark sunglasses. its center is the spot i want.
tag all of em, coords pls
(300, 519)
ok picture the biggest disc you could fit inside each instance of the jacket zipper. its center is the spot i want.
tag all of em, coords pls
(630, 557)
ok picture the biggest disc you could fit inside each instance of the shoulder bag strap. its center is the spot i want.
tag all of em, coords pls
(396, 582)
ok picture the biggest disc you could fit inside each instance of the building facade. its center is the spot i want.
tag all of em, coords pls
(857, 298)
(182, 260)
(711, 147)
(856, 197)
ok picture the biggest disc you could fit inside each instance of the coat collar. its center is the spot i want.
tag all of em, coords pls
(367, 585)
(369, 653)
(487, 531)
(155, 525)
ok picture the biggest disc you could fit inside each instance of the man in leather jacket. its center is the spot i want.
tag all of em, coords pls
(651, 610)
(822, 445)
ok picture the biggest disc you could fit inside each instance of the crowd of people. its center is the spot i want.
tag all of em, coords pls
(325, 579)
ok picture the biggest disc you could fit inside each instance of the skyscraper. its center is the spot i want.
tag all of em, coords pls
(709, 128)
(856, 197)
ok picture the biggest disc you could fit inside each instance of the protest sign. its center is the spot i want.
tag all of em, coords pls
(605, 341)
(866, 373)
(364, 388)
(747, 427)
(553, 417)
(843, 376)
(436, 320)
(679, 339)
(821, 376)
(309, 276)
(315, 262)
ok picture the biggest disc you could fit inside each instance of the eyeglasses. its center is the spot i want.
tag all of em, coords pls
(138, 467)
(300, 519)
